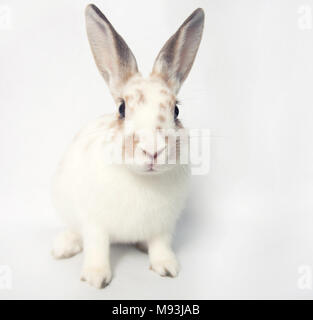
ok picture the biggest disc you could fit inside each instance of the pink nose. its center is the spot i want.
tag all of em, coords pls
(152, 156)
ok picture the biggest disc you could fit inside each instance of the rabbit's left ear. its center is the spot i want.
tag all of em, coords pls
(113, 58)
(177, 56)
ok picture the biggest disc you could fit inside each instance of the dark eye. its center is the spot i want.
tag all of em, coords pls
(176, 112)
(121, 110)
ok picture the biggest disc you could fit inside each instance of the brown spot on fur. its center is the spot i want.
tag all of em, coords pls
(112, 124)
(162, 106)
(165, 92)
(178, 124)
(116, 124)
(129, 98)
(141, 96)
(161, 118)
(171, 102)
(171, 98)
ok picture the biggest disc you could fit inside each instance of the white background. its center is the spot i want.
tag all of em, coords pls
(248, 226)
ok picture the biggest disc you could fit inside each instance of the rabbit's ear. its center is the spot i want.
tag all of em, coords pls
(176, 57)
(114, 59)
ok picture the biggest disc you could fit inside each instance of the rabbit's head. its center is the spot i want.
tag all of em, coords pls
(147, 111)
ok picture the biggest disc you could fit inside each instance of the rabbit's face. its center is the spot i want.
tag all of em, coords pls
(153, 133)
(147, 107)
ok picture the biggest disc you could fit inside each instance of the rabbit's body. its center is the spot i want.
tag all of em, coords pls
(129, 207)
(124, 177)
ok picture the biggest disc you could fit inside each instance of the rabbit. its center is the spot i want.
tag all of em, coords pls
(136, 201)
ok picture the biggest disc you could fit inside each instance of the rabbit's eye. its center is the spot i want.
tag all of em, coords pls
(176, 112)
(122, 110)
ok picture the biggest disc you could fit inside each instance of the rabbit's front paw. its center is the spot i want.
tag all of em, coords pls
(166, 268)
(66, 245)
(98, 277)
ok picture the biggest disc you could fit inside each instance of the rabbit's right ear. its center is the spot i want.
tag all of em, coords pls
(113, 58)
(178, 54)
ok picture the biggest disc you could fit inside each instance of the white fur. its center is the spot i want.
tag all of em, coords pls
(117, 203)
(103, 202)
(130, 207)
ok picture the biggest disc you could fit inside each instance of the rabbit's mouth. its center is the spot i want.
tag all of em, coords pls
(145, 167)
(150, 168)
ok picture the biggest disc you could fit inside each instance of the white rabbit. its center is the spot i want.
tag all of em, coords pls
(135, 201)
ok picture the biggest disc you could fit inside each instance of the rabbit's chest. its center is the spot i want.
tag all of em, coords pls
(132, 210)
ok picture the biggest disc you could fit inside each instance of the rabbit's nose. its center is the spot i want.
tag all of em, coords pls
(154, 155)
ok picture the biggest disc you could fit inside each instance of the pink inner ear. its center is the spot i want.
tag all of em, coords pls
(113, 58)
(177, 56)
